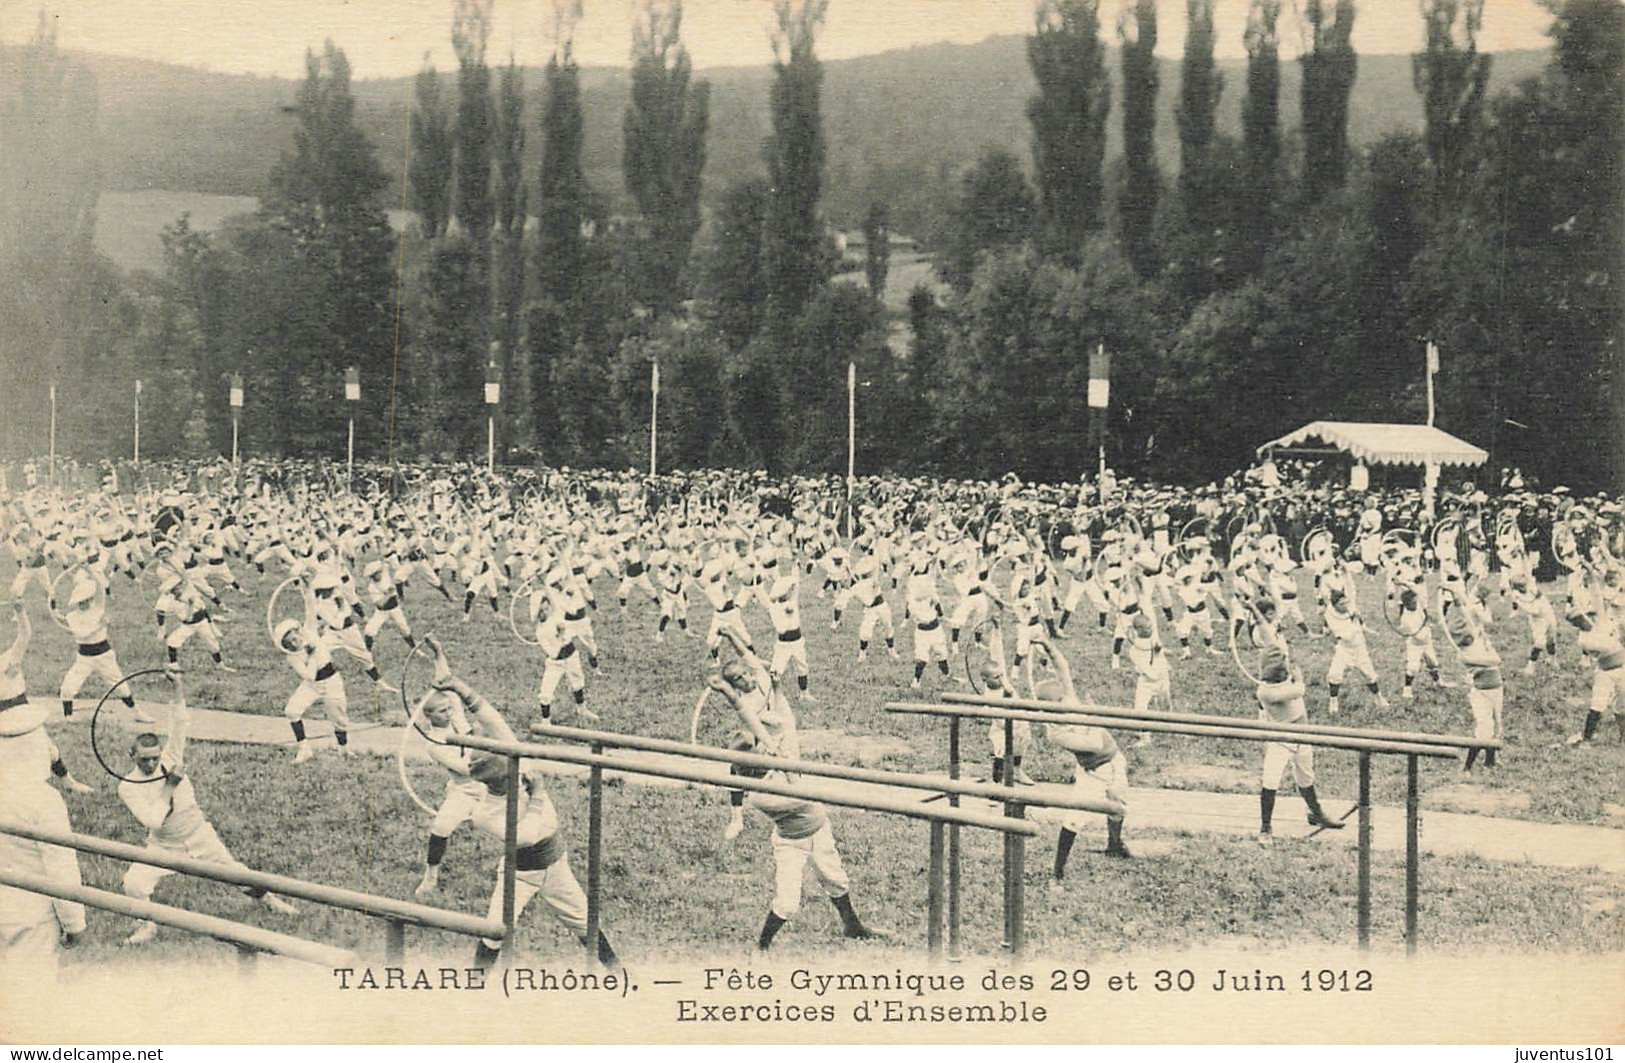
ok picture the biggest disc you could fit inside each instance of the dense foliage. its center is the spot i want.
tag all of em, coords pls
(1297, 275)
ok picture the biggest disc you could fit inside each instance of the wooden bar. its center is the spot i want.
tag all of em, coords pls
(1363, 899)
(236, 875)
(1018, 889)
(933, 892)
(1413, 861)
(395, 942)
(250, 938)
(1253, 734)
(510, 856)
(1458, 741)
(912, 809)
(595, 852)
(953, 845)
(1010, 872)
(1049, 796)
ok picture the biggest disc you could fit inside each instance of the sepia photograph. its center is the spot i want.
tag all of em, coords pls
(830, 522)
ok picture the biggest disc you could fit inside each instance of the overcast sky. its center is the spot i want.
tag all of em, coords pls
(386, 38)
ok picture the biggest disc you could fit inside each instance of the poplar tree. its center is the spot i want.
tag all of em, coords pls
(793, 235)
(429, 184)
(470, 29)
(1450, 75)
(1068, 117)
(1329, 66)
(1142, 184)
(664, 130)
(1260, 131)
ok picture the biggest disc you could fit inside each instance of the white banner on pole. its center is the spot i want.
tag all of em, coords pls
(1100, 383)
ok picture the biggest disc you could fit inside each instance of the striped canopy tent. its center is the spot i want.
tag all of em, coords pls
(1382, 444)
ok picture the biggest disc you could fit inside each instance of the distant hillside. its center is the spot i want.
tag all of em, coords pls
(901, 125)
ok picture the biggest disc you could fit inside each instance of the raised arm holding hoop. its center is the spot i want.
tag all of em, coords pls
(169, 811)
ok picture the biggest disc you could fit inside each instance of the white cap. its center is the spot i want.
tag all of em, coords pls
(283, 629)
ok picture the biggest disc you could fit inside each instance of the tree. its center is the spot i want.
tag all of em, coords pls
(429, 186)
(326, 196)
(842, 325)
(1261, 134)
(1554, 215)
(1068, 117)
(1142, 185)
(733, 285)
(509, 148)
(470, 29)
(1451, 76)
(1200, 85)
(996, 209)
(562, 185)
(48, 188)
(664, 129)
(1328, 79)
(877, 247)
(793, 258)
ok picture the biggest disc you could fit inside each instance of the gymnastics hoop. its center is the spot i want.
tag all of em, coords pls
(270, 608)
(51, 597)
(694, 718)
(400, 769)
(1388, 601)
(406, 699)
(974, 675)
(95, 747)
(527, 591)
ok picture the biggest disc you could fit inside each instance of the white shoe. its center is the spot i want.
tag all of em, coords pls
(914, 685)
(142, 716)
(862, 657)
(1578, 739)
(893, 655)
(807, 695)
(304, 754)
(346, 751)
(1407, 695)
(228, 669)
(735, 827)
(386, 687)
(75, 786)
(1528, 669)
(1266, 839)
(429, 883)
(1117, 664)
(143, 934)
(1383, 702)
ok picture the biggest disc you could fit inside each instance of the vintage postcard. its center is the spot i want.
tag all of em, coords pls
(812, 522)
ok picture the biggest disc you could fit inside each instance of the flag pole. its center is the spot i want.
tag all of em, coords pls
(1432, 367)
(53, 435)
(493, 395)
(654, 411)
(851, 438)
(138, 422)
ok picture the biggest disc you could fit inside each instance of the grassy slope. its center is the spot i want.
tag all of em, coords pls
(673, 887)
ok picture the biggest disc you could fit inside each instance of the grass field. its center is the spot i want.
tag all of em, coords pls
(673, 888)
